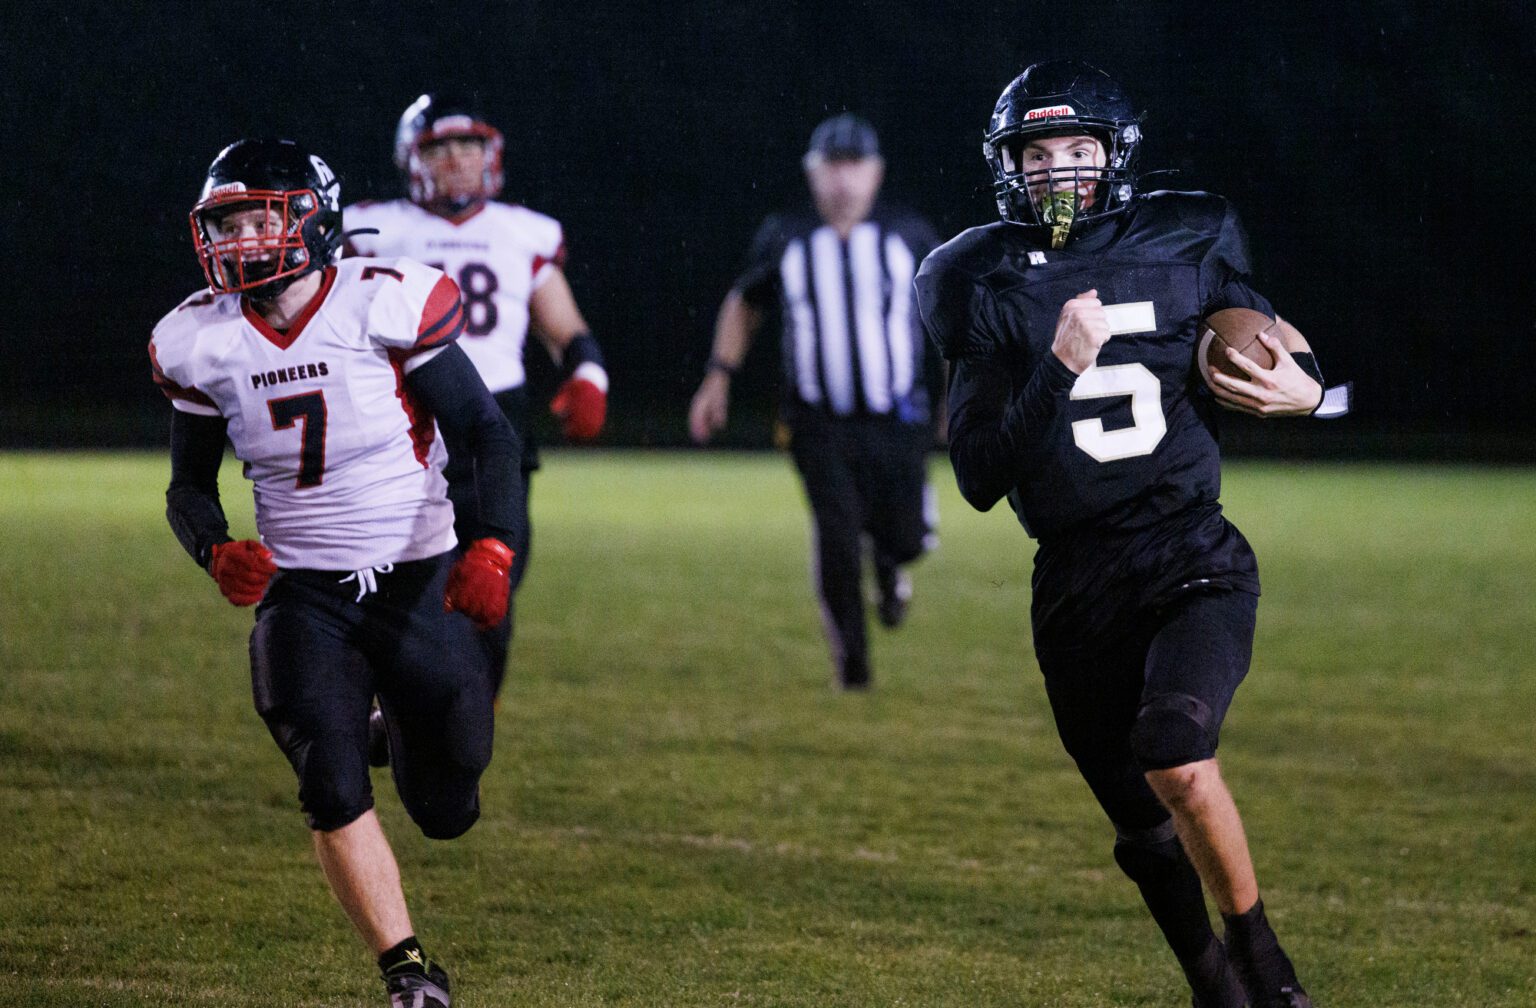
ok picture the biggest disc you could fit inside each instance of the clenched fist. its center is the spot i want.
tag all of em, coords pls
(242, 570)
(481, 583)
(1081, 330)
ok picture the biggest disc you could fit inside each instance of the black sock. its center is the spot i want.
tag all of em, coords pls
(406, 957)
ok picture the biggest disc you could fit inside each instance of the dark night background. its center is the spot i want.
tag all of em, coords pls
(1378, 152)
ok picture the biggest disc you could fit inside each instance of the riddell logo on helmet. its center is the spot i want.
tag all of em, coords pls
(1049, 112)
(227, 188)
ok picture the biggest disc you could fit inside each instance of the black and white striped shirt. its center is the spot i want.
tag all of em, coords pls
(852, 343)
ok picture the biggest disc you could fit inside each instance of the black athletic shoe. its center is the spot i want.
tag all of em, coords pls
(378, 740)
(411, 988)
(895, 587)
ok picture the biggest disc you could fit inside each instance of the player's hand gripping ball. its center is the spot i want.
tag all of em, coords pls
(1237, 328)
(481, 583)
(242, 570)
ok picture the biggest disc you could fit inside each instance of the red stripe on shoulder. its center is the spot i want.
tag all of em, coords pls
(441, 313)
(558, 259)
(173, 390)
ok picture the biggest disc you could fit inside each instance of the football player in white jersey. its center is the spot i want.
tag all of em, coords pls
(338, 385)
(508, 261)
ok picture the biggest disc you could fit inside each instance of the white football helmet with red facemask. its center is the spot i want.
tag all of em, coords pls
(434, 119)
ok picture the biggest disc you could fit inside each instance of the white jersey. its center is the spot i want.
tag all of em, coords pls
(347, 471)
(499, 255)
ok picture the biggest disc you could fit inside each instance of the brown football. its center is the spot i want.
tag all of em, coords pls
(1239, 329)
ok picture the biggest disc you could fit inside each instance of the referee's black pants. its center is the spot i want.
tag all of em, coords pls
(862, 476)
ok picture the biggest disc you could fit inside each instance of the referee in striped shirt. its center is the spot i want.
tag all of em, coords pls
(856, 401)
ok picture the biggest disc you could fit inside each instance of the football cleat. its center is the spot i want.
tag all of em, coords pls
(1214, 981)
(895, 595)
(413, 989)
(1271, 980)
(1291, 997)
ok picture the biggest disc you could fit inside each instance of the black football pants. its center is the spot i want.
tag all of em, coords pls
(862, 476)
(1197, 647)
(319, 655)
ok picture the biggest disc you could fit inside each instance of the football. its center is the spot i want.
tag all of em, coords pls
(1239, 329)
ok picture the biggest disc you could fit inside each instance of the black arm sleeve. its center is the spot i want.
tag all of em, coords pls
(997, 408)
(991, 430)
(192, 500)
(451, 389)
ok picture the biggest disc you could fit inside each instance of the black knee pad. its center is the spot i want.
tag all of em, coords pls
(1173, 729)
(449, 824)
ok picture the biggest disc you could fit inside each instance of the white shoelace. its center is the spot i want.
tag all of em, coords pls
(367, 579)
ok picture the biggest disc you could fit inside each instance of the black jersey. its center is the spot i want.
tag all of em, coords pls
(1116, 471)
(852, 344)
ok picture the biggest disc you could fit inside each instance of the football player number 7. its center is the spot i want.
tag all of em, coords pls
(1135, 380)
(308, 411)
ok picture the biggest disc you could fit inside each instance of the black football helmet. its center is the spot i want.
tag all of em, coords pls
(301, 229)
(1062, 98)
(435, 117)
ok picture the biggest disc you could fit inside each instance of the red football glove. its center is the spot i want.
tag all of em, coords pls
(242, 570)
(481, 582)
(582, 403)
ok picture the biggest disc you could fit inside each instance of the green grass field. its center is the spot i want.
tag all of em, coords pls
(681, 810)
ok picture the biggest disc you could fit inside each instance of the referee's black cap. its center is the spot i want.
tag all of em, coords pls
(845, 136)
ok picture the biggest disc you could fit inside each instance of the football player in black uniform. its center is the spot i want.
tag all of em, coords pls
(1070, 328)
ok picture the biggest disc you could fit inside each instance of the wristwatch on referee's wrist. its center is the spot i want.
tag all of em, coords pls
(716, 364)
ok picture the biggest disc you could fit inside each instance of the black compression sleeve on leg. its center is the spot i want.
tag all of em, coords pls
(192, 500)
(1155, 860)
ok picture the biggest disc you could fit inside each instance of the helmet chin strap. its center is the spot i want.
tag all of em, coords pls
(454, 206)
(1057, 211)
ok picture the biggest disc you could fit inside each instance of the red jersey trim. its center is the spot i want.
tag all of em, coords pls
(173, 390)
(539, 262)
(423, 429)
(442, 319)
(283, 339)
